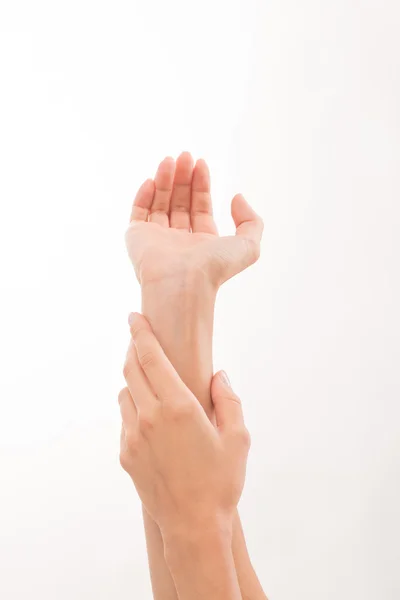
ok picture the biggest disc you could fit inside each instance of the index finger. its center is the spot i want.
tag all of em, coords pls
(163, 378)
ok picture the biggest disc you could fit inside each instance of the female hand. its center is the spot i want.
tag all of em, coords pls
(172, 231)
(188, 473)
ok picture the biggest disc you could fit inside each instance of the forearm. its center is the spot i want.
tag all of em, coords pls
(202, 565)
(250, 585)
(161, 580)
(182, 318)
(183, 324)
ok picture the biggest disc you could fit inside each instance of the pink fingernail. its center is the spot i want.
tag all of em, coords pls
(131, 319)
(225, 378)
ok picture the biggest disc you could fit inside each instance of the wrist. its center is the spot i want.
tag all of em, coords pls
(185, 303)
(196, 538)
(181, 313)
(190, 284)
(201, 562)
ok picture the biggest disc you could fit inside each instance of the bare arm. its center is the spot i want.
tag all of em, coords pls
(188, 473)
(178, 315)
(179, 303)
(186, 337)
(202, 565)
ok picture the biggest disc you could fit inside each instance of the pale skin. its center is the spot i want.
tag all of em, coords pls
(188, 473)
(181, 261)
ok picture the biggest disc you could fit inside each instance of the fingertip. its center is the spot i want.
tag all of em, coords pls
(146, 188)
(137, 322)
(246, 220)
(238, 199)
(201, 162)
(220, 379)
(185, 162)
(224, 378)
(131, 318)
(201, 178)
(165, 166)
(186, 154)
(240, 208)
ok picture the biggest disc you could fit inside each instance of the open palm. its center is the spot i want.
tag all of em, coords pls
(172, 230)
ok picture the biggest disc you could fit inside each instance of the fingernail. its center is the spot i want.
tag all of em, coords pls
(225, 378)
(131, 319)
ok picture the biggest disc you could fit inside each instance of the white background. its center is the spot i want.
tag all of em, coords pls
(296, 105)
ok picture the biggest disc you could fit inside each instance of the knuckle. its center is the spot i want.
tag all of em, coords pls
(252, 250)
(122, 395)
(147, 359)
(241, 435)
(180, 208)
(235, 398)
(221, 398)
(202, 203)
(124, 460)
(246, 437)
(161, 204)
(132, 443)
(146, 422)
(126, 371)
(178, 411)
(224, 397)
(136, 332)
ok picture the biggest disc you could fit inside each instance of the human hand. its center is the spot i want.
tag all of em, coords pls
(172, 234)
(188, 473)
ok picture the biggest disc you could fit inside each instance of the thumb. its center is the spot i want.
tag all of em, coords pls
(248, 223)
(244, 247)
(227, 405)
